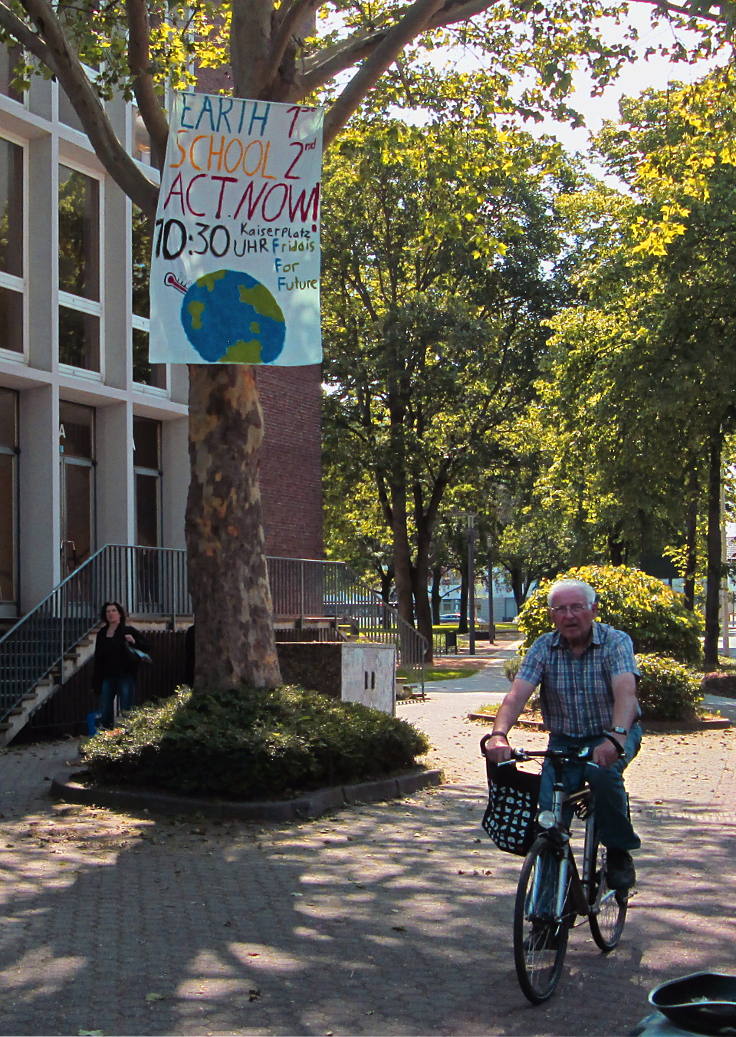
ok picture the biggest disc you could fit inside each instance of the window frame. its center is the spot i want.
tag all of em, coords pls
(79, 303)
(12, 282)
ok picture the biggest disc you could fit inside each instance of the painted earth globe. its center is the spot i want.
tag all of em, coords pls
(232, 318)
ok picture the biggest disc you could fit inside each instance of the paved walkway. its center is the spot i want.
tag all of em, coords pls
(382, 919)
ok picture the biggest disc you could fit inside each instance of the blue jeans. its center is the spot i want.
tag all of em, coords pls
(611, 806)
(124, 688)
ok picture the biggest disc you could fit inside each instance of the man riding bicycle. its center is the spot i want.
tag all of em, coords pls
(588, 673)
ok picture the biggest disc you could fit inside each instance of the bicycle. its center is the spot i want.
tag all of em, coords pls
(551, 893)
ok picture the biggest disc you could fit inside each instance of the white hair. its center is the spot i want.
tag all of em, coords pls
(569, 585)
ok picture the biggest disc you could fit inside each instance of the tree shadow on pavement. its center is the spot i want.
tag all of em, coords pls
(381, 919)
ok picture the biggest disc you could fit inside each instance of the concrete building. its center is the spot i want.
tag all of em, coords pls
(93, 438)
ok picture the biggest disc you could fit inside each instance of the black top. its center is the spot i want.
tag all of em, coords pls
(112, 658)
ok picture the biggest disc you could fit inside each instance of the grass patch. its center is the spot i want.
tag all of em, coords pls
(249, 744)
(436, 673)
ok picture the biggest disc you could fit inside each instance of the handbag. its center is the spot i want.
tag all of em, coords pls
(137, 654)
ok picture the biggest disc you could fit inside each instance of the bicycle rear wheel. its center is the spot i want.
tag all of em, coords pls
(609, 907)
(539, 942)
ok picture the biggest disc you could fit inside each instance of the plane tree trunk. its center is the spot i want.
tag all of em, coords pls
(234, 639)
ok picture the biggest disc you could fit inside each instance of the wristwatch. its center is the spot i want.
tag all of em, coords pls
(619, 730)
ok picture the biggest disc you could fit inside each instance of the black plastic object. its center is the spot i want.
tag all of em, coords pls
(704, 1002)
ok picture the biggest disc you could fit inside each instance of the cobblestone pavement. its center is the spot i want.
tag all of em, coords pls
(382, 919)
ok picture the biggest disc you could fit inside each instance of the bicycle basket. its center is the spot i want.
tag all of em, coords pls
(512, 807)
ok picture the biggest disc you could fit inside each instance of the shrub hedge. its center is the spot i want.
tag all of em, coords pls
(252, 744)
(650, 612)
(668, 690)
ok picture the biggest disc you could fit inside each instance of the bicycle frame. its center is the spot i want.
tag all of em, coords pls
(572, 891)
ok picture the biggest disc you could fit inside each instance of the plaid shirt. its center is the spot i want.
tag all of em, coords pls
(576, 696)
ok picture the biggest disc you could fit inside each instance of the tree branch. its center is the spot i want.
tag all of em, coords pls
(332, 60)
(67, 68)
(25, 36)
(290, 21)
(414, 21)
(148, 103)
(706, 16)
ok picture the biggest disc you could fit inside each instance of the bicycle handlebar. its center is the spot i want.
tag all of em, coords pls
(548, 754)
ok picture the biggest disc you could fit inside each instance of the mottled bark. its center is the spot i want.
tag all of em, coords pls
(227, 567)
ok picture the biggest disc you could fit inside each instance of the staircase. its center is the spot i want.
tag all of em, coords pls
(48, 645)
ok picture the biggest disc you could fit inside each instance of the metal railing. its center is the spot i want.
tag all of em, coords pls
(153, 582)
(306, 588)
(148, 581)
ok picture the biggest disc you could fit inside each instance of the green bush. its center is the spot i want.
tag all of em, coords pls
(251, 744)
(650, 612)
(667, 689)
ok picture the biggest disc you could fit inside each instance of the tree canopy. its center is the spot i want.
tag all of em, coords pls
(437, 252)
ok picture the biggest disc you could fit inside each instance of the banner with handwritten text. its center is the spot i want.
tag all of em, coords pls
(236, 253)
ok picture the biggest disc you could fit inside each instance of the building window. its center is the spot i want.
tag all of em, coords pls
(79, 234)
(79, 339)
(144, 372)
(8, 494)
(79, 269)
(11, 246)
(10, 57)
(147, 467)
(11, 320)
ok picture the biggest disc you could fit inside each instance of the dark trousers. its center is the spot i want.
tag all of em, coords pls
(611, 806)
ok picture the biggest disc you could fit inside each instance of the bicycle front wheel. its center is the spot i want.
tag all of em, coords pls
(540, 943)
(608, 907)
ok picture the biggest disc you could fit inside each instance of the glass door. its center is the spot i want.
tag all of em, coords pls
(76, 514)
(76, 445)
(147, 468)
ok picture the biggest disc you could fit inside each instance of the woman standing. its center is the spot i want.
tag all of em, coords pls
(115, 667)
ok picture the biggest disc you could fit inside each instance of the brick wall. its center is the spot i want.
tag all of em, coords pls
(291, 461)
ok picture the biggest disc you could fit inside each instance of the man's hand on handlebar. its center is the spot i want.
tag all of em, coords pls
(605, 754)
(497, 748)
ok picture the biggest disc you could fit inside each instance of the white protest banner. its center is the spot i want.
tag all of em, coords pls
(236, 254)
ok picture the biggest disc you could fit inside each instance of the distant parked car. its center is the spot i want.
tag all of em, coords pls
(451, 617)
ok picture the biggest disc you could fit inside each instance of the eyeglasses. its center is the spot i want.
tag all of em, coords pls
(576, 608)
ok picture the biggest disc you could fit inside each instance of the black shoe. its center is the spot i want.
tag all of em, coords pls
(620, 873)
(542, 938)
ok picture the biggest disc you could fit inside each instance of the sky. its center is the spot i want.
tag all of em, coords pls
(655, 71)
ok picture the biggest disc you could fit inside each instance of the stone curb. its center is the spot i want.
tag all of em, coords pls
(66, 788)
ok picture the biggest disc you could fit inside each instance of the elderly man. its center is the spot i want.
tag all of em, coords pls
(588, 674)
